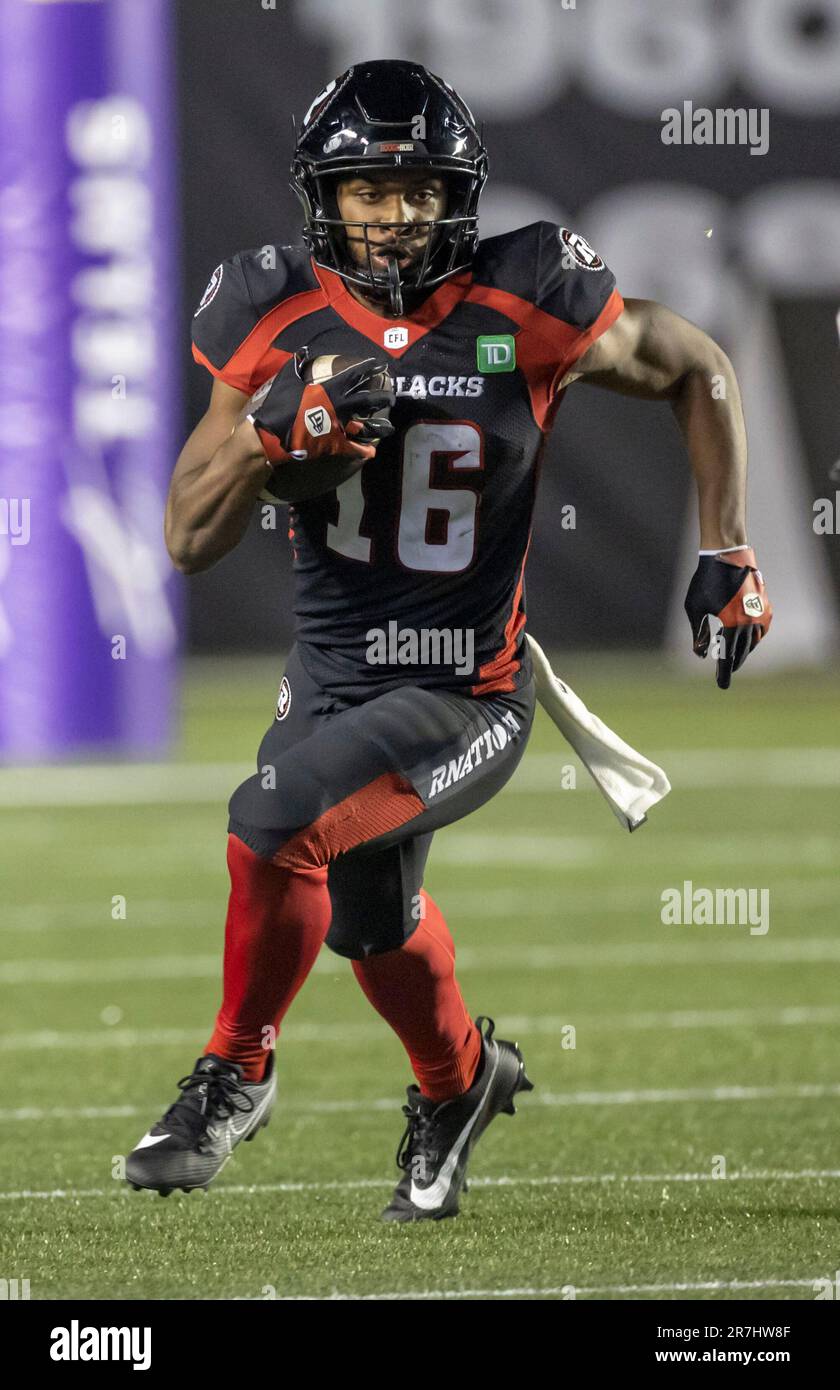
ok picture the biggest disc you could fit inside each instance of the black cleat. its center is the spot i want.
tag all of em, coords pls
(193, 1141)
(440, 1135)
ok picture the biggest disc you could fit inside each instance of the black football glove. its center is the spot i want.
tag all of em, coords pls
(302, 420)
(730, 587)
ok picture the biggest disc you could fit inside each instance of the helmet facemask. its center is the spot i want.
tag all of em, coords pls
(445, 249)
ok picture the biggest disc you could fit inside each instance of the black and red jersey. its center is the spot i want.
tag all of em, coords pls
(432, 535)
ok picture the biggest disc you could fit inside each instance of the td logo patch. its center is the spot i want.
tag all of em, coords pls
(495, 352)
(284, 699)
(317, 421)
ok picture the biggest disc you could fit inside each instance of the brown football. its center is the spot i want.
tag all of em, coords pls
(300, 480)
(321, 368)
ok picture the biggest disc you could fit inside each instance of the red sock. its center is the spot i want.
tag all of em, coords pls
(415, 991)
(276, 923)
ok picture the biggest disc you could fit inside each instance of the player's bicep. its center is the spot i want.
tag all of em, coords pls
(646, 352)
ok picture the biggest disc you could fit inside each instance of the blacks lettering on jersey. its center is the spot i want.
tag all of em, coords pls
(412, 571)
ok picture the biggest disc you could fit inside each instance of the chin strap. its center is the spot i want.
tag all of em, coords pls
(395, 288)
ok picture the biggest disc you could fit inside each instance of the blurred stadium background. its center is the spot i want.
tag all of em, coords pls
(139, 146)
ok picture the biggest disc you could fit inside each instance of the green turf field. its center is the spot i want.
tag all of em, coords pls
(697, 1046)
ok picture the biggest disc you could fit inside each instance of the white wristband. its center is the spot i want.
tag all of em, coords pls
(725, 550)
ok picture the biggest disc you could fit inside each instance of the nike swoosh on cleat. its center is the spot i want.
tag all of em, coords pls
(427, 1198)
(149, 1139)
(232, 1133)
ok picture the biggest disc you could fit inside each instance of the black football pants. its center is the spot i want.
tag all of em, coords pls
(363, 786)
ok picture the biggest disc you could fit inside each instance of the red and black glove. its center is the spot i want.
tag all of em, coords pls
(729, 586)
(296, 419)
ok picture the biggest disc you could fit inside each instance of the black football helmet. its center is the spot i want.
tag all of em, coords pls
(382, 115)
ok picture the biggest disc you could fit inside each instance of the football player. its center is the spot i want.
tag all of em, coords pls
(411, 472)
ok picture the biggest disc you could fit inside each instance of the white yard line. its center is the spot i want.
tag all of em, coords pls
(29, 1113)
(549, 852)
(124, 784)
(566, 1291)
(744, 950)
(789, 892)
(690, 768)
(545, 1099)
(786, 1016)
(359, 1184)
(58, 972)
(531, 1025)
(64, 972)
(671, 853)
(120, 784)
(134, 969)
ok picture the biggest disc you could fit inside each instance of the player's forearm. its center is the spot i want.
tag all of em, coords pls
(708, 411)
(210, 502)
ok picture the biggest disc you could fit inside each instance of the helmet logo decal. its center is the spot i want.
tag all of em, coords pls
(322, 96)
(418, 127)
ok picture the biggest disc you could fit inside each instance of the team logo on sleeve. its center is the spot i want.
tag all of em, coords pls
(211, 291)
(578, 249)
(284, 699)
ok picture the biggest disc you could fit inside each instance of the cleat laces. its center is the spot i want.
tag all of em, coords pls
(206, 1096)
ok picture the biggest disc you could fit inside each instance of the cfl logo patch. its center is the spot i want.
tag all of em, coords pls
(395, 337)
(317, 421)
(754, 605)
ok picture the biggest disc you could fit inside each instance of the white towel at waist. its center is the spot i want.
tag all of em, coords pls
(630, 782)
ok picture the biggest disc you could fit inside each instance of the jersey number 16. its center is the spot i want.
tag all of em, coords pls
(423, 509)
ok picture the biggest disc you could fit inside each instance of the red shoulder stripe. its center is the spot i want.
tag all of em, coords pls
(547, 346)
(605, 320)
(255, 360)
